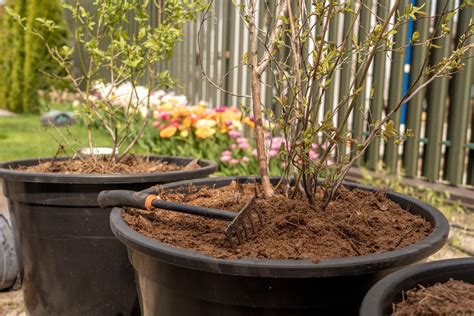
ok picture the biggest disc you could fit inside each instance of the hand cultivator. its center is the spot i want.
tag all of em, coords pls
(243, 225)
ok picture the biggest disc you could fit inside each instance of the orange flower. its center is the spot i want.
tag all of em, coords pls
(185, 123)
(249, 122)
(167, 132)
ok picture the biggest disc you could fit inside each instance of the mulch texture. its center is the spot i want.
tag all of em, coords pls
(356, 223)
(102, 165)
(449, 298)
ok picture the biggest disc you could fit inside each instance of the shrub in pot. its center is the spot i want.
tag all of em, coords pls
(392, 289)
(72, 264)
(315, 153)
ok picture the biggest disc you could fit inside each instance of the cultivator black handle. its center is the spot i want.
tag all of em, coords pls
(141, 200)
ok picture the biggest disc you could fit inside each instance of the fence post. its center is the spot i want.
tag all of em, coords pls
(436, 102)
(396, 89)
(460, 92)
(377, 102)
(359, 110)
(415, 105)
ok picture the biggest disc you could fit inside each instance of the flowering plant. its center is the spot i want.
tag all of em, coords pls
(184, 129)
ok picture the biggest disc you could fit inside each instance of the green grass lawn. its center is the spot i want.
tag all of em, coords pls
(24, 137)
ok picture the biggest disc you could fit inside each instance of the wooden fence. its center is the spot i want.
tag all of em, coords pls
(441, 117)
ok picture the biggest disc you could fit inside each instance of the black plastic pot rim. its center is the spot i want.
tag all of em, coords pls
(380, 289)
(7, 172)
(284, 268)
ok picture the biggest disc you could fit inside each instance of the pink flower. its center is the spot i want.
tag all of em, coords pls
(221, 109)
(234, 161)
(156, 124)
(164, 116)
(235, 134)
(242, 140)
(244, 146)
(276, 143)
(226, 158)
(254, 152)
(233, 146)
(226, 153)
(313, 155)
(245, 159)
(272, 153)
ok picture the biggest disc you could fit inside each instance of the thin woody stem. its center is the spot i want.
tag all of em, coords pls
(257, 107)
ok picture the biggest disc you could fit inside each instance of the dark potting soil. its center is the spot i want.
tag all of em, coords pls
(356, 223)
(102, 165)
(448, 298)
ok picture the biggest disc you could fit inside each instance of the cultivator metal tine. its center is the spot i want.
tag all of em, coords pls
(238, 229)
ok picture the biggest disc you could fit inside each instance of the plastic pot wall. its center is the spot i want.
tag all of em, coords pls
(378, 301)
(176, 281)
(72, 263)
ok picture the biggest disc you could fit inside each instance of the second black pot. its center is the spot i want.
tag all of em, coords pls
(378, 301)
(176, 281)
(72, 263)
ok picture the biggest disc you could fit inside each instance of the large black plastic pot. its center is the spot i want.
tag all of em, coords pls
(387, 291)
(72, 263)
(176, 281)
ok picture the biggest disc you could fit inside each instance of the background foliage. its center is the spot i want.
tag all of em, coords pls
(25, 64)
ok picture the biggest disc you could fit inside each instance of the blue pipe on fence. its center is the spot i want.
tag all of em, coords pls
(406, 77)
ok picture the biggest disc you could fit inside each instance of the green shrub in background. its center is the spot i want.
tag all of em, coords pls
(38, 64)
(12, 57)
(25, 63)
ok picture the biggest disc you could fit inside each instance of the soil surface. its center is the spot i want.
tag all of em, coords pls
(102, 165)
(356, 223)
(449, 298)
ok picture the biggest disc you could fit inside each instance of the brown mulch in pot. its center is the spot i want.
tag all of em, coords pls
(356, 223)
(449, 298)
(102, 165)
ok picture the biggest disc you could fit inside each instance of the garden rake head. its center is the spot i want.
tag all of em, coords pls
(245, 224)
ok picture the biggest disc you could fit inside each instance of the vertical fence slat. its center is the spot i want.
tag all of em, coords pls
(415, 105)
(193, 60)
(459, 95)
(396, 89)
(189, 59)
(345, 78)
(226, 33)
(332, 38)
(241, 73)
(470, 162)
(377, 102)
(217, 53)
(436, 103)
(359, 110)
(210, 29)
(233, 55)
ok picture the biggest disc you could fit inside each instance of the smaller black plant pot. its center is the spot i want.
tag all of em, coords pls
(71, 262)
(176, 281)
(378, 301)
